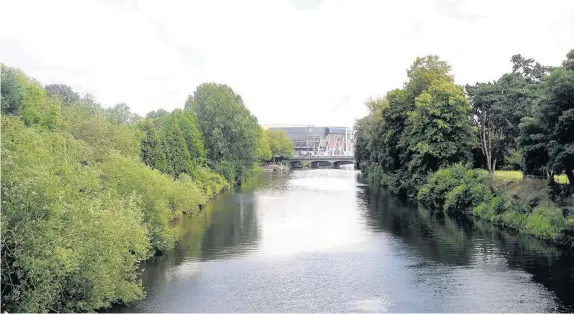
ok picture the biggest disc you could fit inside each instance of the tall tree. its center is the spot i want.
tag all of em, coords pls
(417, 129)
(62, 91)
(264, 151)
(10, 92)
(151, 148)
(118, 114)
(176, 152)
(279, 143)
(231, 133)
(438, 132)
(189, 127)
(556, 117)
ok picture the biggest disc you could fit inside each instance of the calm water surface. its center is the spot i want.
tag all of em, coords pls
(319, 241)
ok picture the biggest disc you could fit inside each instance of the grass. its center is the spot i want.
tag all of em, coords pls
(515, 175)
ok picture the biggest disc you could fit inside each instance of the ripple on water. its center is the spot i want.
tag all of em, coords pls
(315, 241)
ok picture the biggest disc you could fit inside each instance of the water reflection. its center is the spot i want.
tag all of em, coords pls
(474, 244)
(319, 241)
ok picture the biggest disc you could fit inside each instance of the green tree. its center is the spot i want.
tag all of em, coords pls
(230, 132)
(10, 92)
(264, 152)
(438, 132)
(157, 114)
(193, 139)
(417, 129)
(27, 98)
(279, 143)
(151, 147)
(176, 151)
(119, 114)
(556, 117)
(62, 91)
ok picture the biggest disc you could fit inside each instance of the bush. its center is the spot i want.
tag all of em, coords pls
(227, 170)
(463, 198)
(514, 219)
(434, 193)
(492, 209)
(546, 222)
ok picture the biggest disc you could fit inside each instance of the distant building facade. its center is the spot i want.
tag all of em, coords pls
(315, 140)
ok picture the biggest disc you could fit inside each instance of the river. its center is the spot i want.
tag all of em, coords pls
(319, 241)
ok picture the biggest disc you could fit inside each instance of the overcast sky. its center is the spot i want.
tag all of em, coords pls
(293, 61)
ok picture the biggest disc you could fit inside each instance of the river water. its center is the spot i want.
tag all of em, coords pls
(319, 241)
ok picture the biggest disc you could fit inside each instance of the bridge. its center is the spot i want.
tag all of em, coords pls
(318, 161)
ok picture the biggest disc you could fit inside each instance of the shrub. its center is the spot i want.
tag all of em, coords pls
(463, 198)
(514, 219)
(546, 222)
(490, 210)
(227, 170)
(434, 193)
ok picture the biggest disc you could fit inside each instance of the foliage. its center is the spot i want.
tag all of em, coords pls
(151, 147)
(264, 151)
(68, 243)
(64, 92)
(547, 136)
(460, 191)
(84, 195)
(177, 155)
(193, 140)
(545, 222)
(418, 129)
(230, 132)
(279, 143)
(120, 114)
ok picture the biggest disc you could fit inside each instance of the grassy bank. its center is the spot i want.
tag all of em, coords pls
(522, 205)
(515, 175)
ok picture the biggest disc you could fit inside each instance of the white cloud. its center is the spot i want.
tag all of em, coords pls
(291, 61)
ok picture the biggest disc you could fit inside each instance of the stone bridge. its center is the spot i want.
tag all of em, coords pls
(321, 161)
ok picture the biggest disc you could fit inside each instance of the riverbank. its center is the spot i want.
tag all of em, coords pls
(527, 207)
(275, 167)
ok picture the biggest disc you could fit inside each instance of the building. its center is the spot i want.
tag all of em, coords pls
(319, 140)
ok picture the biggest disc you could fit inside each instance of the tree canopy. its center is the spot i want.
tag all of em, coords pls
(231, 133)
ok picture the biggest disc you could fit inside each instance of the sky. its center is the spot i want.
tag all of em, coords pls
(293, 61)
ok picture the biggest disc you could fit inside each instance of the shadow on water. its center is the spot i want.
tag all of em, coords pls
(319, 240)
(469, 242)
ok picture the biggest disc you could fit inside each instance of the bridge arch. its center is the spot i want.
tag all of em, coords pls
(338, 163)
(320, 163)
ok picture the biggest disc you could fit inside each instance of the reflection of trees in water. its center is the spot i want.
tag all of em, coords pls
(234, 229)
(226, 225)
(434, 236)
(459, 243)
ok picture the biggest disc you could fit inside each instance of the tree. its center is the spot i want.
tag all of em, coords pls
(279, 143)
(498, 107)
(417, 129)
(492, 126)
(194, 142)
(264, 152)
(62, 91)
(438, 132)
(151, 147)
(10, 92)
(120, 114)
(24, 96)
(176, 151)
(556, 117)
(157, 114)
(230, 132)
